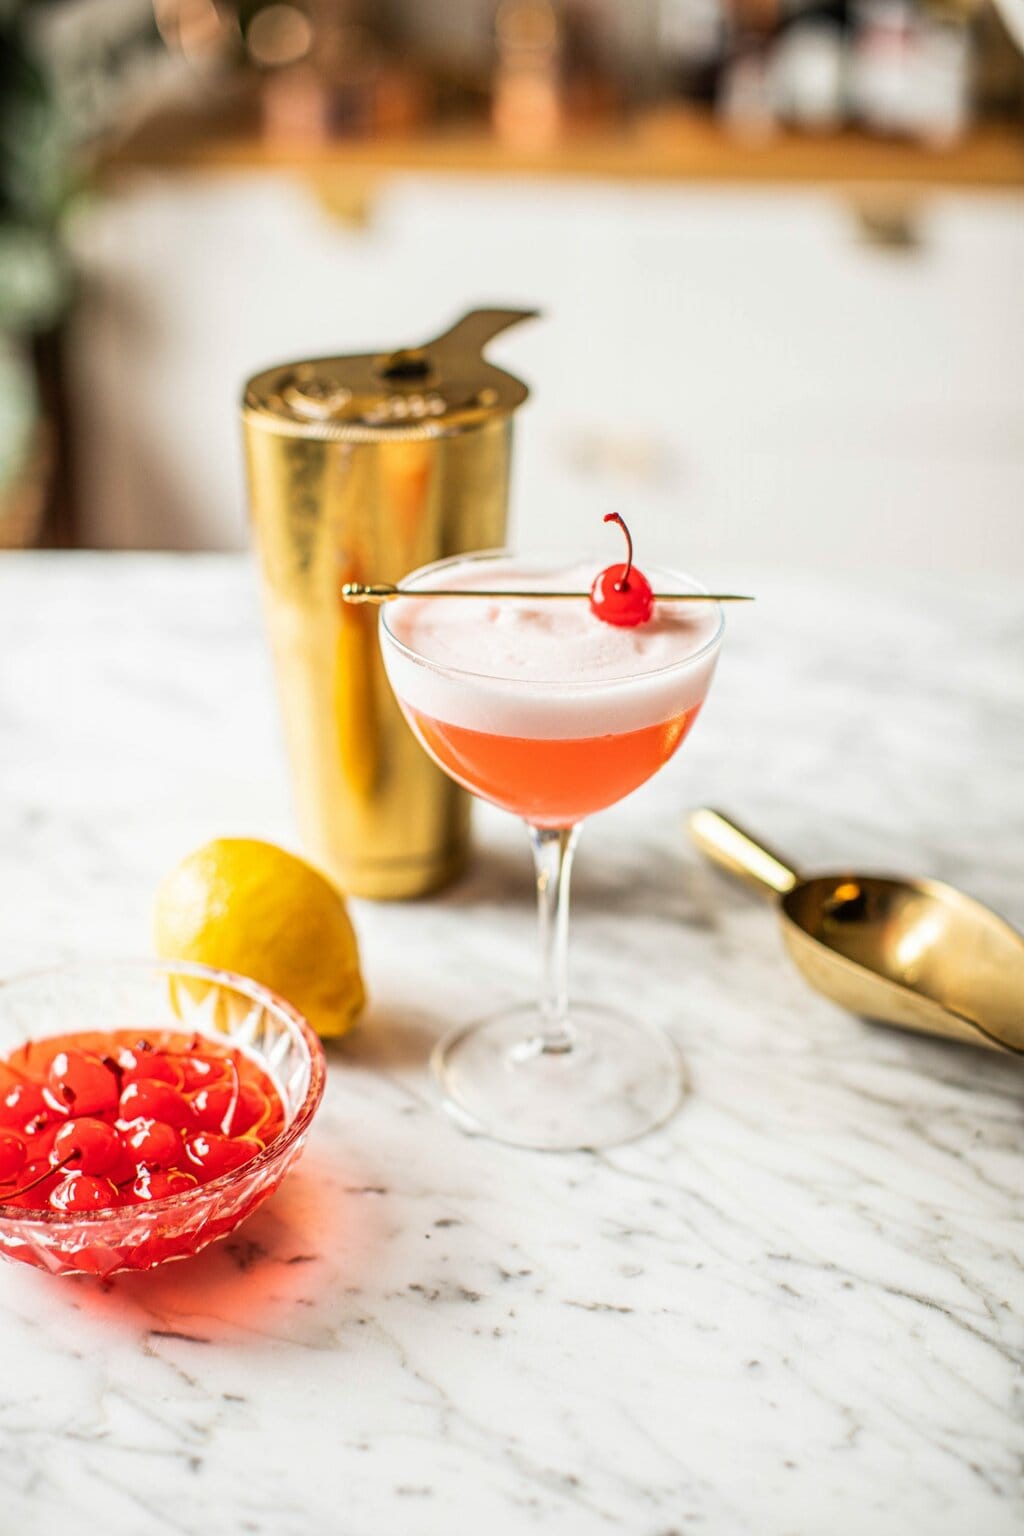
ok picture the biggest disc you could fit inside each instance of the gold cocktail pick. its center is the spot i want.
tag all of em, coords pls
(386, 592)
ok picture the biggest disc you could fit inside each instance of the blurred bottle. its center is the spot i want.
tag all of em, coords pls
(527, 109)
(550, 74)
(329, 72)
(745, 100)
(807, 75)
(910, 71)
(693, 39)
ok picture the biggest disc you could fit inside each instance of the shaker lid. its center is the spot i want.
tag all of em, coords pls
(434, 390)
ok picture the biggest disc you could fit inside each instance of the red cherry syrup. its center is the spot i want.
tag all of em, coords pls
(113, 1118)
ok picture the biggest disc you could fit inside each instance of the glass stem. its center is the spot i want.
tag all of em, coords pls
(553, 849)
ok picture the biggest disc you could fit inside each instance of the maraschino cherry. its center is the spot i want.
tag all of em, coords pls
(83, 1192)
(112, 1119)
(37, 1179)
(78, 1083)
(153, 1143)
(621, 594)
(141, 1061)
(150, 1098)
(157, 1184)
(21, 1105)
(12, 1155)
(213, 1155)
(93, 1146)
(231, 1111)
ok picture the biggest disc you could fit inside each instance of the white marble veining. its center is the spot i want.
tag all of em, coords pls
(795, 1309)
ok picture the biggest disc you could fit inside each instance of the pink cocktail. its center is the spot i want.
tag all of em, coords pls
(540, 707)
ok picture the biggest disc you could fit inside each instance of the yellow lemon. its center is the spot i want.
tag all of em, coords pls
(247, 906)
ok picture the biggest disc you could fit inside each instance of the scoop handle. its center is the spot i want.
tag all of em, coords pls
(740, 853)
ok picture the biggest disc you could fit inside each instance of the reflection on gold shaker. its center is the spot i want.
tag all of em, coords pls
(361, 469)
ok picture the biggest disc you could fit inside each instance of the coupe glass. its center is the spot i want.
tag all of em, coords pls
(552, 1075)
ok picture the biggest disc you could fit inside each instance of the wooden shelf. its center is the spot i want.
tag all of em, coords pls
(669, 145)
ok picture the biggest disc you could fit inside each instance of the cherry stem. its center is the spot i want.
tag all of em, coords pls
(622, 585)
(16, 1195)
(229, 1113)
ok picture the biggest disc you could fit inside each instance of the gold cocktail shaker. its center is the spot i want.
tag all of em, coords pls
(361, 469)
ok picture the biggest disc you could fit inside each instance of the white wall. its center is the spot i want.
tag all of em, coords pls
(736, 370)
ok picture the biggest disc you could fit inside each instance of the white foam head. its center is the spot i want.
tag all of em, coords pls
(518, 667)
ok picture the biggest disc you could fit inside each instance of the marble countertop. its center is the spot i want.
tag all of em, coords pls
(795, 1309)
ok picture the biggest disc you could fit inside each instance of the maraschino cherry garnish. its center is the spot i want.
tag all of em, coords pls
(621, 594)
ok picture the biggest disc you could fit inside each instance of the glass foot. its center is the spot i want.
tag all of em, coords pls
(619, 1079)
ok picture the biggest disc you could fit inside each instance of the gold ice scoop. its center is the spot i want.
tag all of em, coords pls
(915, 953)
